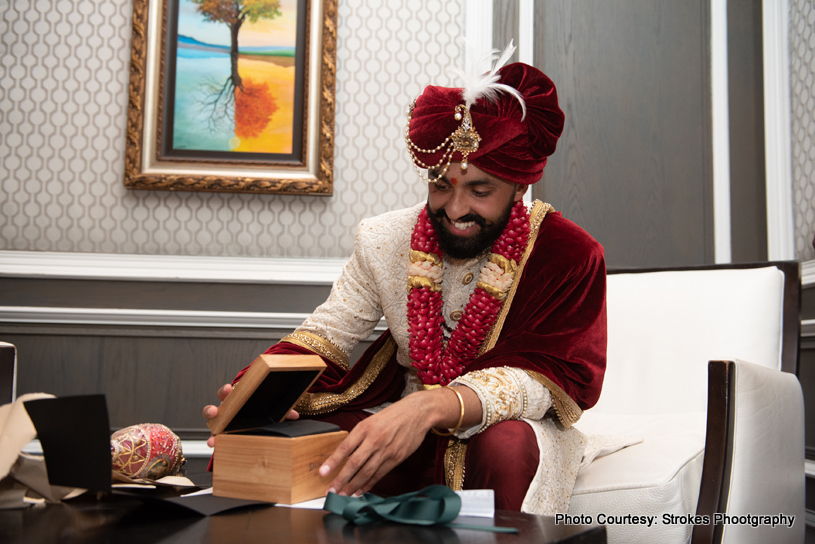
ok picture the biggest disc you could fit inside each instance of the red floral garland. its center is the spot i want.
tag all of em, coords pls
(435, 363)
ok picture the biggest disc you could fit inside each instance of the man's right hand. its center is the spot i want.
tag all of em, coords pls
(211, 411)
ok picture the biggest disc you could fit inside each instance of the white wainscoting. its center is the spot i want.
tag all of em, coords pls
(152, 318)
(807, 280)
(100, 266)
(95, 317)
(807, 274)
(51, 264)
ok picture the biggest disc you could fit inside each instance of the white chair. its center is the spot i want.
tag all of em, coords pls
(725, 437)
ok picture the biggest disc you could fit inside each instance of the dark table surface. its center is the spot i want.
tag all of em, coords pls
(117, 519)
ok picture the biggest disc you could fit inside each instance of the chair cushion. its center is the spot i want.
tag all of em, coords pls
(659, 476)
(664, 327)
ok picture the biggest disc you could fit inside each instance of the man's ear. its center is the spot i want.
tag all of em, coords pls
(520, 191)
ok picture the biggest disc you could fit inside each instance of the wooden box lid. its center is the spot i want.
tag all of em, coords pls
(266, 392)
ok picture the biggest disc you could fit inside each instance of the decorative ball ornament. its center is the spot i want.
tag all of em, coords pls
(149, 451)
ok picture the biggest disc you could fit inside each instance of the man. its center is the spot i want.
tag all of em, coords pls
(497, 344)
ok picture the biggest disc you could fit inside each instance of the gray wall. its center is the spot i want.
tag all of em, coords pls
(748, 195)
(633, 166)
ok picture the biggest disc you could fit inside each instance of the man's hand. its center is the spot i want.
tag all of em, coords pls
(380, 442)
(211, 411)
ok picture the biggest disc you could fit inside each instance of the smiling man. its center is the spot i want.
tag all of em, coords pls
(462, 209)
(496, 335)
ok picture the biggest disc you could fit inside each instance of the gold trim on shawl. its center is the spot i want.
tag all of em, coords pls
(454, 457)
(319, 345)
(536, 217)
(567, 410)
(320, 403)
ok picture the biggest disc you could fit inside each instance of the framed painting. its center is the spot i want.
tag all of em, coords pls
(232, 96)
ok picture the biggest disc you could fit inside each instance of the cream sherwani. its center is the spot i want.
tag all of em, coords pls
(373, 285)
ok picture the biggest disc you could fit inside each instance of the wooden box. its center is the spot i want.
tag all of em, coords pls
(259, 455)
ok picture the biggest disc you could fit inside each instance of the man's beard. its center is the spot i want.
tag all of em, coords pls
(469, 247)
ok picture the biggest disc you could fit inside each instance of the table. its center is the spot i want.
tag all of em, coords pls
(118, 519)
(125, 520)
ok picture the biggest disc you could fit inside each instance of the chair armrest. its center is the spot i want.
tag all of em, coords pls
(754, 453)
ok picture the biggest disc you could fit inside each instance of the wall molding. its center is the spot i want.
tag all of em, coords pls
(477, 31)
(807, 328)
(154, 318)
(720, 128)
(149, 318)
(777, 131)
(808, 273)
(193, 449)
(807, 280)
(526, 33)
(526, 46)
(111, 266)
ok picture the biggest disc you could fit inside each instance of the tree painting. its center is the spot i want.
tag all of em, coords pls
(239, 85)
(234, 13)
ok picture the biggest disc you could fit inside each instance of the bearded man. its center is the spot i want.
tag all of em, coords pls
(496, 313)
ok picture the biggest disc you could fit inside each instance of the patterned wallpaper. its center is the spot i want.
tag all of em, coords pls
(63, 92)
(802, 89)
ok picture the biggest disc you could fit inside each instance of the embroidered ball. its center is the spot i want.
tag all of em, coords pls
(150, 451)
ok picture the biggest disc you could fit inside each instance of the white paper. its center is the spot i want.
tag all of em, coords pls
(207, 491)
(479, 503)
(313, 504)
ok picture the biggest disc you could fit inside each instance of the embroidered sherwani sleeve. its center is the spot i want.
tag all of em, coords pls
(349, 315)
(505, 393)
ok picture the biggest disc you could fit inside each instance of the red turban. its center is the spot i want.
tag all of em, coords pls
(512, 149)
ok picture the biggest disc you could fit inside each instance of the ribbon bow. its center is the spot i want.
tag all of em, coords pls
(433, 505)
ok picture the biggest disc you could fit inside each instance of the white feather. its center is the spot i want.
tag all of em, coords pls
(478, 84)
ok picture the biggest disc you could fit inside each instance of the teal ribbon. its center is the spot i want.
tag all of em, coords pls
(433, 505)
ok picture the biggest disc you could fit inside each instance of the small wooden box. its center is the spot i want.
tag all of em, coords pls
(260, 456)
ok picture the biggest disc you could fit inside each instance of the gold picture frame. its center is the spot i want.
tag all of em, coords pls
(149, 161)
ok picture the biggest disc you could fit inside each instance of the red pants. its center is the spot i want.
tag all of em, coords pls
(503, 458)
